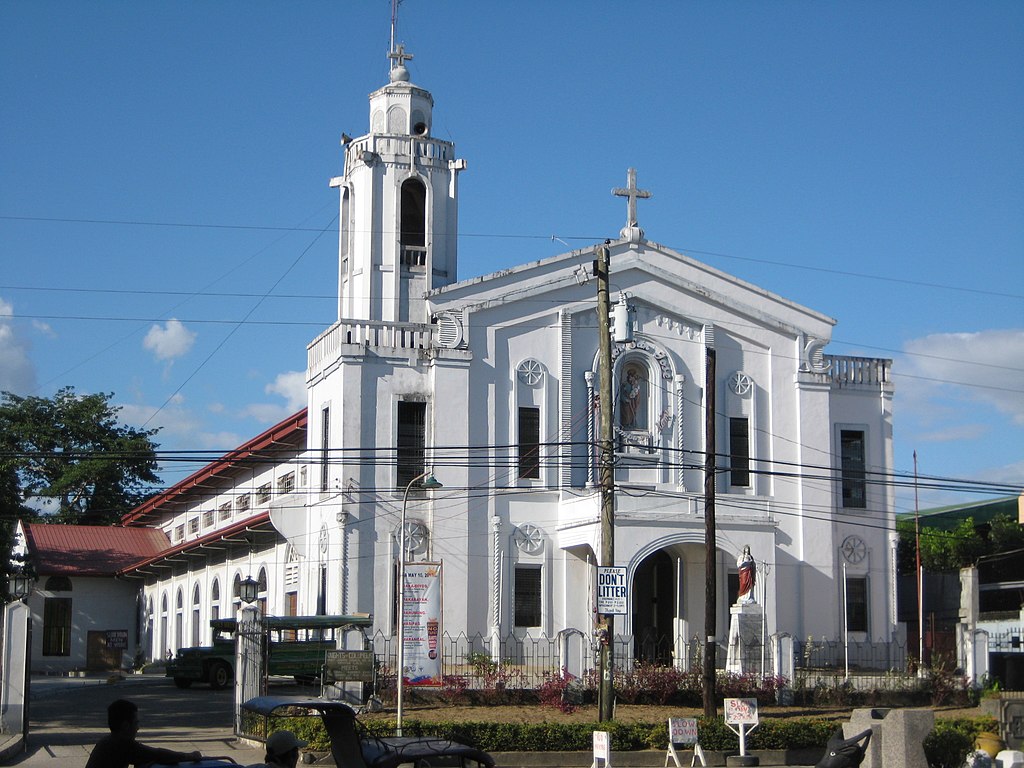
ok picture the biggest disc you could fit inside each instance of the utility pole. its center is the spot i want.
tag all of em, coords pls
(710, 544)
(606, 691)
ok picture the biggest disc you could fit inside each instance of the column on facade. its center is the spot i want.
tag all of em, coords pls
(496, 561)
(680, 379)
(592, 415)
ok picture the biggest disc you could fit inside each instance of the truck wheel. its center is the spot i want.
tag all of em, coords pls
(182, 682)
(220, 675)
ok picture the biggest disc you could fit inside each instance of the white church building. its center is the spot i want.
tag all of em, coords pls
(491, 383)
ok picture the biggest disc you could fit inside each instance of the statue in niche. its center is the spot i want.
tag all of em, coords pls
(748, 577)
(633, 397)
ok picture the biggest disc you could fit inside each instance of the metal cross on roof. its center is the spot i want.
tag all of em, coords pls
(632, 193)
(399, 56)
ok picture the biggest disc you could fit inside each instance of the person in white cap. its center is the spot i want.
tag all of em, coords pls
(282, 750)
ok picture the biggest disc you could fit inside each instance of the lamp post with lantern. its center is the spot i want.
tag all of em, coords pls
(429, 483)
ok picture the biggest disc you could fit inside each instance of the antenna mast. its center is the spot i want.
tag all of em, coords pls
(394, 23)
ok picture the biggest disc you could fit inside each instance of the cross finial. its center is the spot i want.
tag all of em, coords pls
(633, 194)
(398, 56)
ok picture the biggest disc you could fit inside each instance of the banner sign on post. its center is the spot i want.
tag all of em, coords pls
(421, 624)
(611, 590)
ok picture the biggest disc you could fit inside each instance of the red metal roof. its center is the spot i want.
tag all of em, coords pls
(259, 522)
(286, 430)
(90, 550)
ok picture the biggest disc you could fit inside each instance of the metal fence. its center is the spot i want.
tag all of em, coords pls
(524, 661)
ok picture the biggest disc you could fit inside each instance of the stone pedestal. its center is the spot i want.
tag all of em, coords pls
(746, 639)
(897, 736)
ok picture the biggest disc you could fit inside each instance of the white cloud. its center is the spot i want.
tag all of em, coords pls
(291, 385)
(985, 367)
(170, 341)
(267, 413)
(956, 433)
(17, 371)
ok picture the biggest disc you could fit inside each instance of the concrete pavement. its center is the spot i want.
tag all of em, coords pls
(68, 716)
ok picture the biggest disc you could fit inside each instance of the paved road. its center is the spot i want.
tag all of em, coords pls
(68, 716)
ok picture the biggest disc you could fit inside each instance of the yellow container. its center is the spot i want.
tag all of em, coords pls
(989, 743)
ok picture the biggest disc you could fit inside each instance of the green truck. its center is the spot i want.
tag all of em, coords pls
(295, 646)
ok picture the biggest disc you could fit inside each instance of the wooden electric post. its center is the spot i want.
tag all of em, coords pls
(606, 691)
(710, 545)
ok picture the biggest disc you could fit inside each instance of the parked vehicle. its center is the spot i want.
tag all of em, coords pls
(295, 646)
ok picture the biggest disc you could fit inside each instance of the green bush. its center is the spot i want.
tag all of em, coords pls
(950, 741)
(945, 747)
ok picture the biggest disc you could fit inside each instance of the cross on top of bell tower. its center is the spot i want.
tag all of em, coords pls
(632, 229)
(398, 58)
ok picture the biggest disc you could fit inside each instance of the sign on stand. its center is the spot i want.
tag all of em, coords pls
(602, 750)
(741, 713)
(682, 732)
(611, 590)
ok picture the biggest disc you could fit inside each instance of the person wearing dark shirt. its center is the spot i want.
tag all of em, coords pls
(120, 749)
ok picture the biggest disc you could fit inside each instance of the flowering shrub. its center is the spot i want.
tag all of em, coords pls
(560, 690)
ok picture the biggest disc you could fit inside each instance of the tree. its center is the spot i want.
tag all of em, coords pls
(70, 459)
(964, 545)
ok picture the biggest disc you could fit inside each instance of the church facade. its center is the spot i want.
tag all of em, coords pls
(491, 385)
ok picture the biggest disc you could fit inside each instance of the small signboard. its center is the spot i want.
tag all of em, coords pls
(682, 732)
(611, 590)
(117, 639)
(349, 666)
(602, 750)
(743, 714)
(741, 711)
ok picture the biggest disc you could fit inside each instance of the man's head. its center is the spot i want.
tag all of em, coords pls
(123, 717)
(283, 748)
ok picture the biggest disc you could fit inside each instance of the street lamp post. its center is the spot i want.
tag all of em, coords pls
(429, 481)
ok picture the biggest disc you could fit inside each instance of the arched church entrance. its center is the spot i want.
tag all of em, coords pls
(654, 608)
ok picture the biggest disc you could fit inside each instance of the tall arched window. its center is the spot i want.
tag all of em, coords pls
(164, 647)
(215, 599)
(236, 592)
(196, 602)
(413, 236)
(261, 590)
(179, 619)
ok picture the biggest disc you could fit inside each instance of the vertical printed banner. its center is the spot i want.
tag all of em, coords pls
(421, 624)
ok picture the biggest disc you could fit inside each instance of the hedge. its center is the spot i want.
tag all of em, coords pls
(945, 747)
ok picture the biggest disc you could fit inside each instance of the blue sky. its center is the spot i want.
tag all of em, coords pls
(164, 169)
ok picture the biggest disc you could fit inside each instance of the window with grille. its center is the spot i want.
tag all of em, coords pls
(411, 442)
(529, 443)
(224, 511)
(286, 483)
(857, 604)
(853, 466)
(243, 503)
(527, 600)
(57, 626)
(263, 494)
(739, 452)
(325, 450)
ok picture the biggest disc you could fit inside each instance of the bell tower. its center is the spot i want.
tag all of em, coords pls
(398, 219)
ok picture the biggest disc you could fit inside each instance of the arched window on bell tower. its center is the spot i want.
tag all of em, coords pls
(413, 243)
(414, 224)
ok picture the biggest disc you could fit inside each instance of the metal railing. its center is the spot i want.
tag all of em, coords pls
(525, 662)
